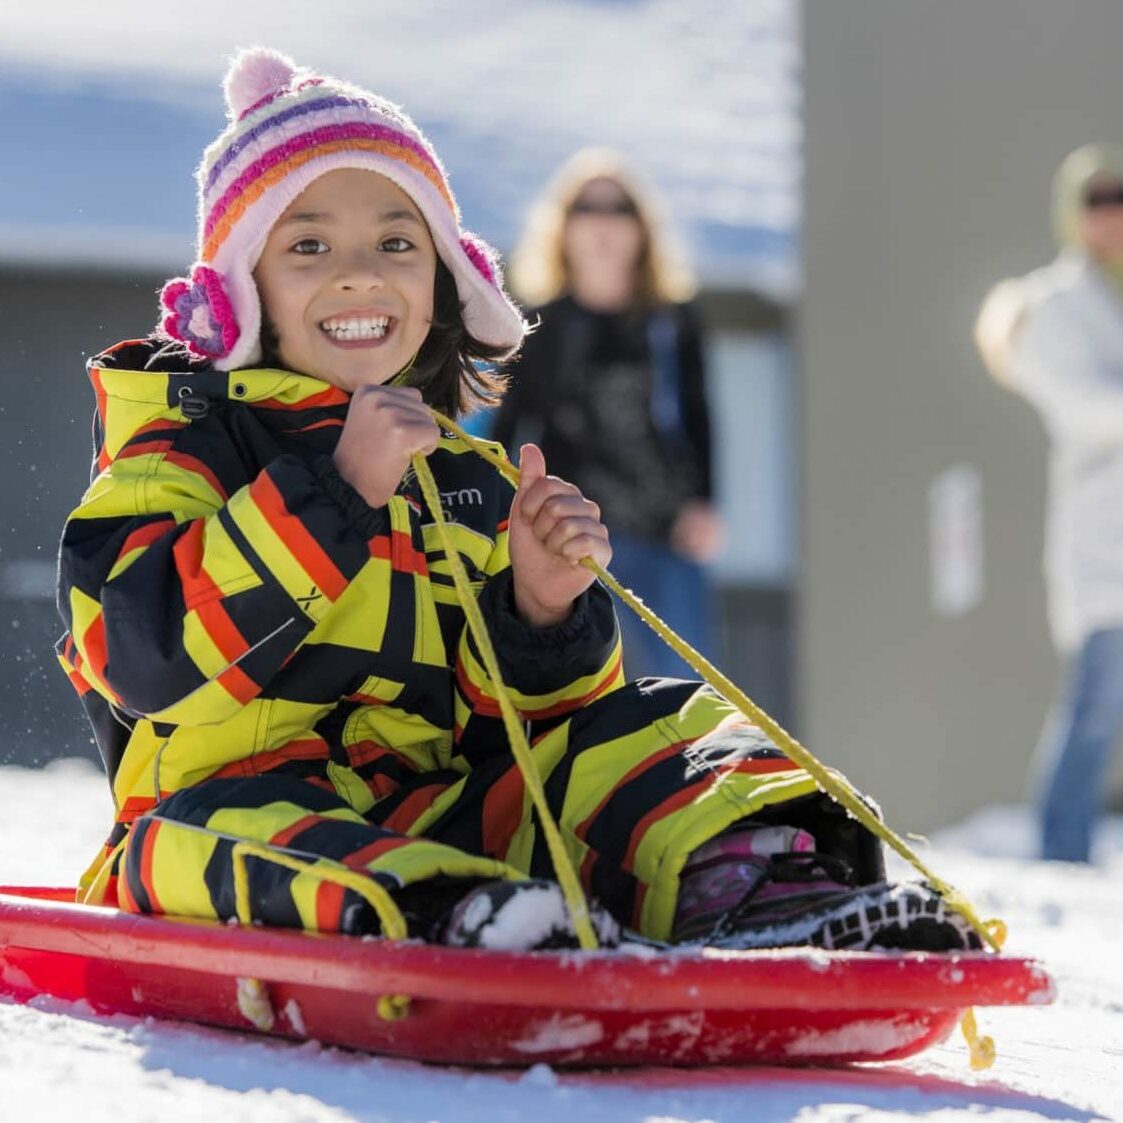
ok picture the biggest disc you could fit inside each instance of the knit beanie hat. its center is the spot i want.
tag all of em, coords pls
(287, 128)
(1077, 172)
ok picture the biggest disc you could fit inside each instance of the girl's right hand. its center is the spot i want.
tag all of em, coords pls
(385, 426)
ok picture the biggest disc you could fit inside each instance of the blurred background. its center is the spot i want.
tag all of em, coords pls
(849, 177)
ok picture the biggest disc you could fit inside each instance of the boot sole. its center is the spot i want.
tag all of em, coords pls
(905, 917)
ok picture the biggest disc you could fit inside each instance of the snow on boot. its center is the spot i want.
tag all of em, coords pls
(521, 916)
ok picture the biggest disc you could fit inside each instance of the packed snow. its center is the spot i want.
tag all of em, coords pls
(1062, 1062)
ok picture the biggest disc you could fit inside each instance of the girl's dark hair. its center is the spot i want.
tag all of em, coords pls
(454, 371)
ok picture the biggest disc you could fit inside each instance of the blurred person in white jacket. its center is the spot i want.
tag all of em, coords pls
(1056, 336)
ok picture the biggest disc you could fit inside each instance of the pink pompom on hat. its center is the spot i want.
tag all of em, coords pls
(287, 128)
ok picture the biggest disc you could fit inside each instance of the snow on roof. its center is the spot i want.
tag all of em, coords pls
(110, 106)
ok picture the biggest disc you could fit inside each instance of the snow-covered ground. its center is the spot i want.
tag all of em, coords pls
(1057, 1063)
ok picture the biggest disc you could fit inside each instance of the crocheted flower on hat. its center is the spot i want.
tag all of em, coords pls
(199, 313)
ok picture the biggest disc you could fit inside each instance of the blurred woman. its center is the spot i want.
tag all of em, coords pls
(1056, 336)
(612, 386)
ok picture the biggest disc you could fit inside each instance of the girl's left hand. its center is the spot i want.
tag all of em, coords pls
(553, 526)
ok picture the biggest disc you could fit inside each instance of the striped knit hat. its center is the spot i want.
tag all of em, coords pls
(287, 128)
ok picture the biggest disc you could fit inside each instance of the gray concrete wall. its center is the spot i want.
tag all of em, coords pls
(932, 131)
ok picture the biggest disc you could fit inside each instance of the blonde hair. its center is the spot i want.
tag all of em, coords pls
(539, 271)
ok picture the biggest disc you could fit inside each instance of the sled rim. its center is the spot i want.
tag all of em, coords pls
(690, 980)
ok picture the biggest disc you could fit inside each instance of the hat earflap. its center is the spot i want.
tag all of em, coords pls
(199, 313)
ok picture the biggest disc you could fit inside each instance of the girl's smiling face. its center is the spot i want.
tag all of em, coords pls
(346, 279)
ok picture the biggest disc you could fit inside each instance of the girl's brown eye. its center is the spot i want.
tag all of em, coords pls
(310, 246)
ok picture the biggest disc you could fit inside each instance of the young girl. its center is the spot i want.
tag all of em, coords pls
(263, 628)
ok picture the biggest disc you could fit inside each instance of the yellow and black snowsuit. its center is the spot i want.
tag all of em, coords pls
(264, 656)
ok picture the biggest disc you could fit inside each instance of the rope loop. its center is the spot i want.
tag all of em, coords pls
(253, 997)
(980, 1046)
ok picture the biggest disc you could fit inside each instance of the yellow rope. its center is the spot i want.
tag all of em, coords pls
(981, 1046)
(516, 734)
(95, 891)
(252, 995)
(389, 916)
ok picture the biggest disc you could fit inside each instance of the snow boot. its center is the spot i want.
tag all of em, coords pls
(716, 876)
(521, 916)
(767, 886)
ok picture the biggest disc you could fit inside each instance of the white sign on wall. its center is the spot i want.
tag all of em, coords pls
(955, 540)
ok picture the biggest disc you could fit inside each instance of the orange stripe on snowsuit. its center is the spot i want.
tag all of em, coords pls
(637, 908)
(307, 749)
(193, 464)
(146, 858)
(327, 423)
(284, 837)
(102, 399)
(303, 547)
(125, 899)
(367, 700)
(331, 396)
(486, 706)
(164, 447)
(329, 906)
(97, 651)
(363, 752)
(145, 448)
(232, 645)
(397, 548)
(146, 535)
(330, 895)
(481, 704)
(78, 682)
(567, 704)
(198, 586)
(135, 806)
(765, 765)
(502, 813)
(362, 857)
(202, 596)
(403, 816)
(70, 660)
(582, 828)
(670, 805)
(162, 426)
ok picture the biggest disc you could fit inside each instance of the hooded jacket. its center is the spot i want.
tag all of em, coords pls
(1056, 337)
(233, 606)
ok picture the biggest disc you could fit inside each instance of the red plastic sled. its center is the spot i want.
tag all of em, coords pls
(796, 1006)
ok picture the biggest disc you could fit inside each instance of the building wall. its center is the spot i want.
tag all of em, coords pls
(49, 322)
(932, 131)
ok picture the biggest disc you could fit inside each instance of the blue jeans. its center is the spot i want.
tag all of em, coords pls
(1073, 756)
(675, 589)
